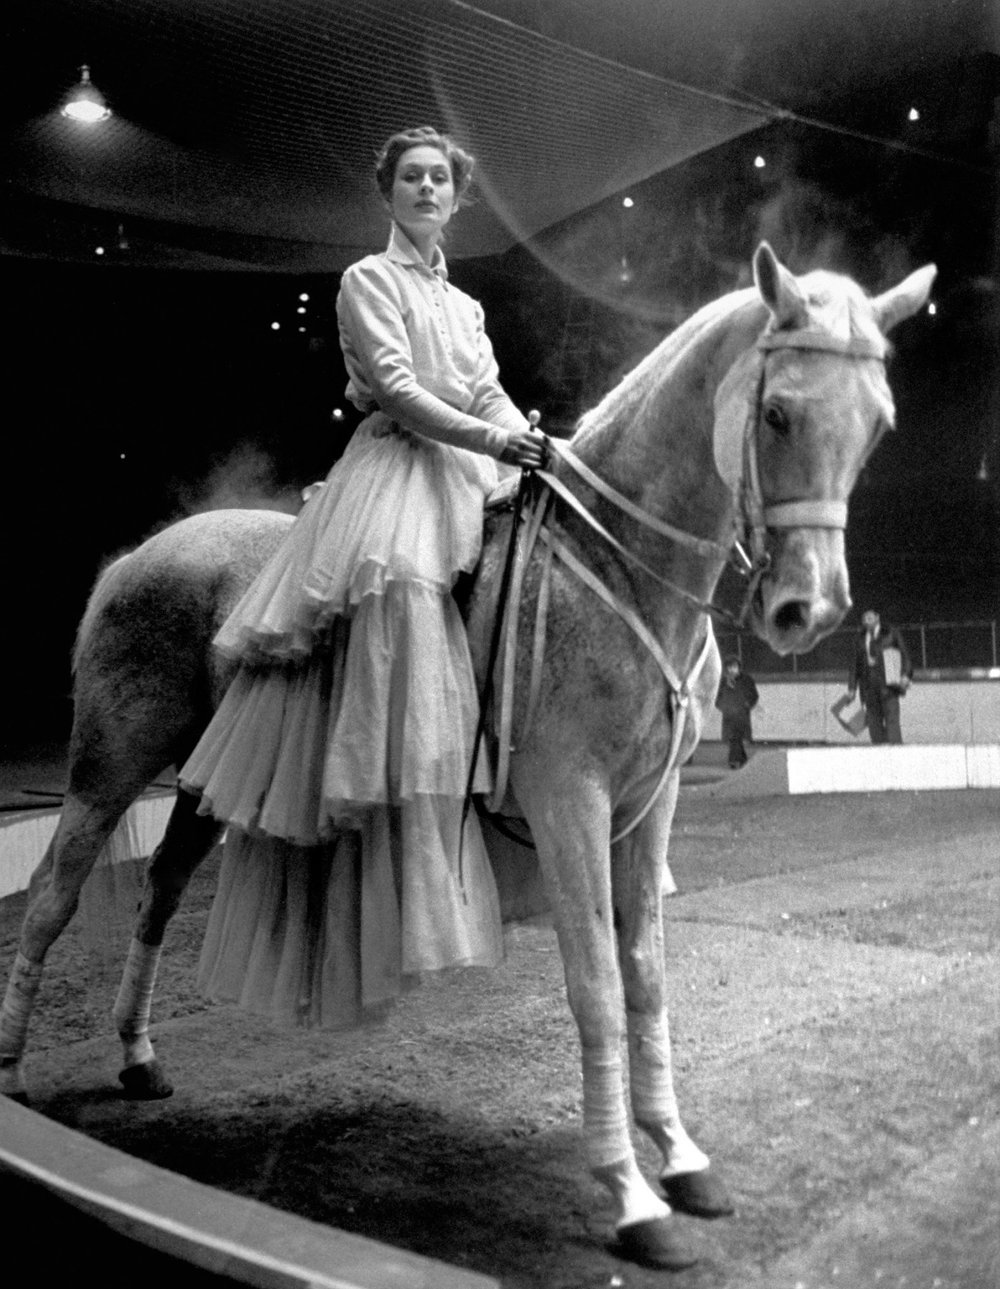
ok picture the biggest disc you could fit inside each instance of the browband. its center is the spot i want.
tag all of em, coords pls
(856, 347)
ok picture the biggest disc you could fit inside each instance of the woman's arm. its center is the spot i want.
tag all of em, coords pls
(374, 337)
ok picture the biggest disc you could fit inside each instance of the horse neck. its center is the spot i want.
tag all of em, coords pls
(651, 438)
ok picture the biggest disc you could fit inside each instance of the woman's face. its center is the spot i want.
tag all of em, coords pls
(423, 194)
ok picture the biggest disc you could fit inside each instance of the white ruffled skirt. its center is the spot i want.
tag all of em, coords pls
(340, 753)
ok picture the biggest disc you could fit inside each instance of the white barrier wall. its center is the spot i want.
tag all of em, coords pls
(936, 711)
(24, 837)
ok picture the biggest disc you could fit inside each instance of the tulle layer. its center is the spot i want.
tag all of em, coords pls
(330, 936)
(384, 712)
(393, 509)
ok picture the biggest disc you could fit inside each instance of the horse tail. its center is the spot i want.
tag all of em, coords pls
(103, 591)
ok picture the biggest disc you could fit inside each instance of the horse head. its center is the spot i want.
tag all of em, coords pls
(819, 401)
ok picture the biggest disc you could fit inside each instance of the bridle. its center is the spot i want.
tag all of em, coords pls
(532, 522)
(757, 516)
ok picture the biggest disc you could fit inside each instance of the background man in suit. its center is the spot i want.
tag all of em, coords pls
(881, 674)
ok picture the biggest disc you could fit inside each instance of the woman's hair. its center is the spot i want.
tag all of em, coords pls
(461, 162)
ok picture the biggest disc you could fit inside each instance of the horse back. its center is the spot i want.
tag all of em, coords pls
(144, 667)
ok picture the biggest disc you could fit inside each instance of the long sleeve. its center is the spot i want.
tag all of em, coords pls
(417, 349)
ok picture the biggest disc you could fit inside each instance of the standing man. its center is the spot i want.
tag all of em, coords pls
(736, 699)
(881, 674)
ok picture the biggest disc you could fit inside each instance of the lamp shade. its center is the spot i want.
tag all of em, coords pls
(85, 102)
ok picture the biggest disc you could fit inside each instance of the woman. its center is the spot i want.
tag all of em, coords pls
(340, 752)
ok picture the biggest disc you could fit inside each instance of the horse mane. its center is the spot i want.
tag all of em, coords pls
(660, 363)
(837, 306)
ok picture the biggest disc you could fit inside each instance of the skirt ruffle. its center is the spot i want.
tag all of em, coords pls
(393, 509)
(330, 936)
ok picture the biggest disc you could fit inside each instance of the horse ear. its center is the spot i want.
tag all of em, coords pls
(778, 289)
(904, 300)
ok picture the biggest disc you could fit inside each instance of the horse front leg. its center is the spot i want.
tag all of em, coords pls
(637, 879)
(187, 840)
(571, 829)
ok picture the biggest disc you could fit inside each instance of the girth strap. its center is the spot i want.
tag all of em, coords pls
(679, 690)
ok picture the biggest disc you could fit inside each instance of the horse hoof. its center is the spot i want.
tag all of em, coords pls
(145, 1082)
(654, 1244)
(701, 1194)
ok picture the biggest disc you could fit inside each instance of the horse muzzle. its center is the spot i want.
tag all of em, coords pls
(806, 592)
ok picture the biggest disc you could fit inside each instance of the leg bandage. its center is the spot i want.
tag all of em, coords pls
(18, 1004)
(654, 1104)
(135, 1000)
(651, 1080)
(605, 1120)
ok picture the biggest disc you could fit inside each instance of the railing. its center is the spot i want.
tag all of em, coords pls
(960, 647)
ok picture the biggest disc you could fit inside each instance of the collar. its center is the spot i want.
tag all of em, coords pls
(402, 251)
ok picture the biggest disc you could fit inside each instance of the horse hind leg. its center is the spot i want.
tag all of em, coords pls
(53, 897)
(188, 839)
(687, 1178)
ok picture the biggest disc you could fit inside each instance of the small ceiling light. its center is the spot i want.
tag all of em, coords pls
(932, 308)
(300, 309)
(628, 203)
(759, 162)
(275, 326)
(98, 250)
(85, 102)
(304, 296)
(913, 114)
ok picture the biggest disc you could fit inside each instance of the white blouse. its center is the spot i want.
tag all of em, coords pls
(415, 348)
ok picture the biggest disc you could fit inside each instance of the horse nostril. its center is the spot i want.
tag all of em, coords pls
(792, 616)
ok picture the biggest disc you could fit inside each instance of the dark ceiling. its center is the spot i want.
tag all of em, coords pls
(243, 131)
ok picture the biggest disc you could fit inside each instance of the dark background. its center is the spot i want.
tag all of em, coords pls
(139, 394)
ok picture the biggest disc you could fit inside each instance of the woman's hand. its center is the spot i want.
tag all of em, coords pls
(527, 449)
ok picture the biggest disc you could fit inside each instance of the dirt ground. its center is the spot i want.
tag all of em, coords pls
(835, 1005)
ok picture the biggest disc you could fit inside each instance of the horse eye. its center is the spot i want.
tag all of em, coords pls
(776, 419)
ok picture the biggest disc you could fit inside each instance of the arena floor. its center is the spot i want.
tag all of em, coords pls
(835, 971)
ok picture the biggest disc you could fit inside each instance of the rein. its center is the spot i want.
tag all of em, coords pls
(758, 518)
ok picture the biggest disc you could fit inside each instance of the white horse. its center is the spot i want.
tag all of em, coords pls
(755, 415)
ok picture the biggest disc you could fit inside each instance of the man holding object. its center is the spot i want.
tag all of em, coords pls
(881, 674)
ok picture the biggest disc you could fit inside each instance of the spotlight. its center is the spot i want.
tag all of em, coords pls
(85, 102)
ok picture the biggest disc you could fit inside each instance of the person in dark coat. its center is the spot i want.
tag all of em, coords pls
(736, 699)
(880, 675)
